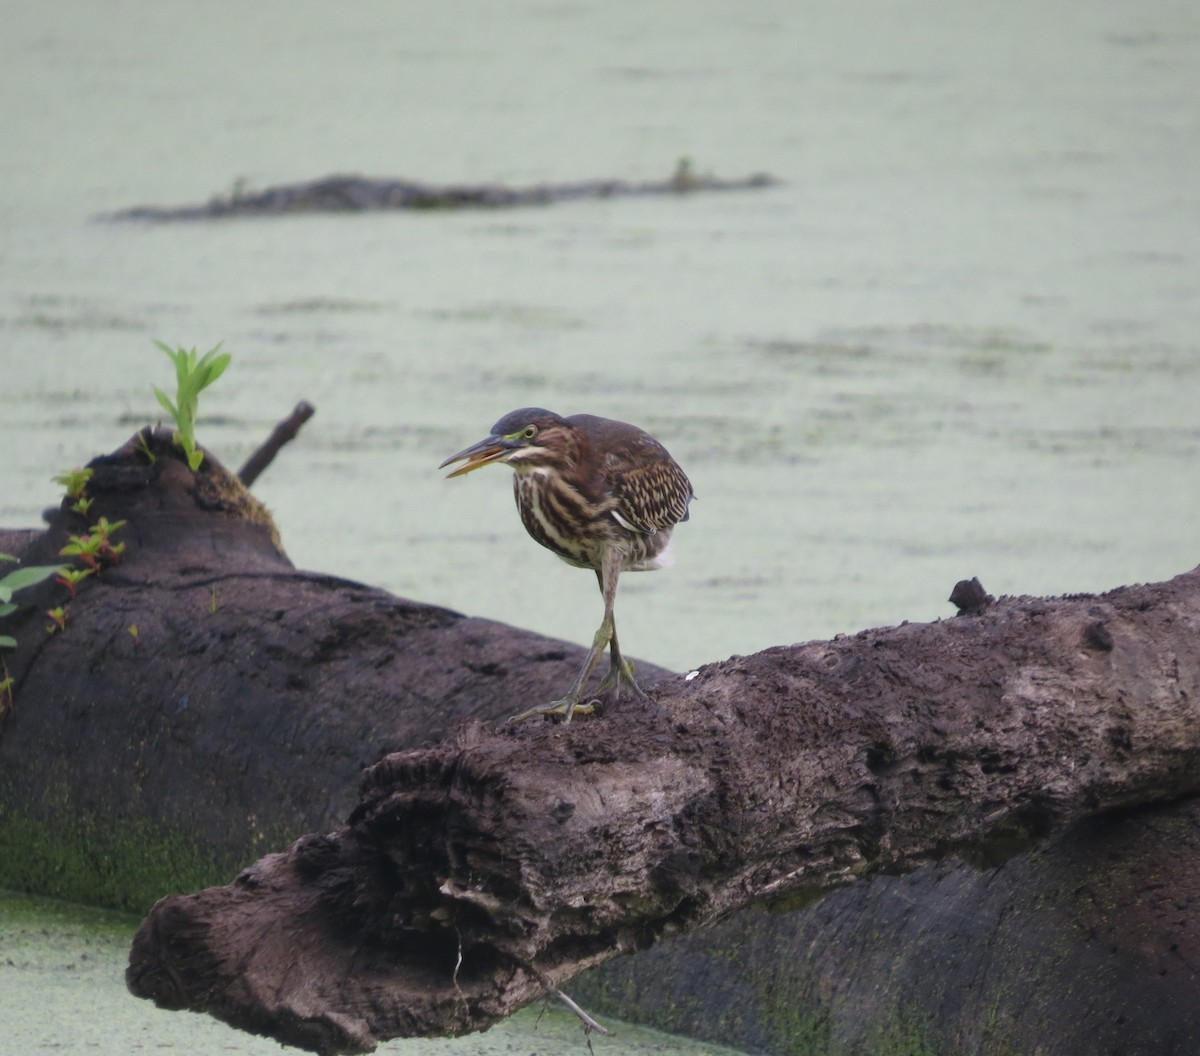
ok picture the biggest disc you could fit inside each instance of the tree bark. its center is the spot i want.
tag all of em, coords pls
(474, 876)
(1085, 945)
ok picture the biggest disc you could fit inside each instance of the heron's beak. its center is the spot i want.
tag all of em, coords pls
(489, 449)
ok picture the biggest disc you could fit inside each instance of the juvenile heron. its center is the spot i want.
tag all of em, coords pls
(602, 495)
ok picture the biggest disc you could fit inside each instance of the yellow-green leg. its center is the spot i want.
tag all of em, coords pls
(619, 671)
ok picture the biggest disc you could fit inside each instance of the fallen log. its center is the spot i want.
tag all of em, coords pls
(476, 876)
(356, 194)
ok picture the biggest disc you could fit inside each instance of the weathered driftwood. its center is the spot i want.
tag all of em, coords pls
(475, 875)
(354, 194)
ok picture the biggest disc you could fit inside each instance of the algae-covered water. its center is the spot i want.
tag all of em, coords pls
(960, 339)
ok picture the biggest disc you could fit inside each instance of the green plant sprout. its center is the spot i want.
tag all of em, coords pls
(95, 549)
(144, 448)
(59, 615)
(75, 481)
(84, 547)
(193, 376)
(72, 577)
(16, 580)
(104, 528)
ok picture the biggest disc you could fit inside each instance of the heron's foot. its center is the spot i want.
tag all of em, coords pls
(620, 673)
(565, 706)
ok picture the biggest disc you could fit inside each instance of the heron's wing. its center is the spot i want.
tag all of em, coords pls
(652, 495)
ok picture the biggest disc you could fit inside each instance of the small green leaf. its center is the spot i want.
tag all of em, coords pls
(104, 527)
(215, 367)
(28, 576)
(75, 481)
(193, 374)
(183, 367)
(165, 400)
(7, 642)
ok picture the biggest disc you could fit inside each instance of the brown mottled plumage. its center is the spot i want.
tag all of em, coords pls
(602, 495)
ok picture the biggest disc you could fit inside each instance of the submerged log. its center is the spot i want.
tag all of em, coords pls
(356, 194)
(475, 876)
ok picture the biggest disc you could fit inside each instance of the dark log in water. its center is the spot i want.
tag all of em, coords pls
(356, 194)
(475, 876)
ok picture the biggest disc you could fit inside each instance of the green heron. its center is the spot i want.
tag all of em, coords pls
(602, 495)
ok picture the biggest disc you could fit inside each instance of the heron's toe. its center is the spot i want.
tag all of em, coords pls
(567, 707)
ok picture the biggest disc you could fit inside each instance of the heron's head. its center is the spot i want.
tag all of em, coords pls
(532, 437)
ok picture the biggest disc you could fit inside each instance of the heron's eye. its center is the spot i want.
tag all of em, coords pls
(529, 432)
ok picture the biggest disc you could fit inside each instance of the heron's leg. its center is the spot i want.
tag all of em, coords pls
(608, 574)
(620, 671)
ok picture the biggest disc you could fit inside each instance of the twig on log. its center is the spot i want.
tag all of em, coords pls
(590, 1026)
(285, 431)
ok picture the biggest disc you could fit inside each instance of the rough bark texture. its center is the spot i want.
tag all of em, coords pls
(1085, 945)
(245, 708)
(475, 874)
